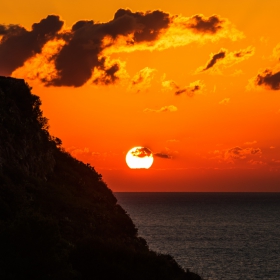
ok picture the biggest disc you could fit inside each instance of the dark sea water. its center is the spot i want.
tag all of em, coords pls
(217, 235)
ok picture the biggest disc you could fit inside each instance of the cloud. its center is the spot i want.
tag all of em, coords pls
(256, 162)
(201, 24)
(163, 155)
(225, 59)
(110, 72)
(41, 66)
(214, 59)
(82, 51)
(18, 44)
(181, 31)
(180, 91)
(237, 154)
(225, 101)
(169, 85)
(243, 53)
(170, 108)
(268, 79)
(142, 80)
(142, 152)
(166, 153)
(192, 89)
(108, 75)
(87, 45)
(144, 26)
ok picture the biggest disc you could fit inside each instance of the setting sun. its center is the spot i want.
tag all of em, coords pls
(139, 157)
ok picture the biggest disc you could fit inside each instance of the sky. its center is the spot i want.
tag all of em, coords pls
(195, 82)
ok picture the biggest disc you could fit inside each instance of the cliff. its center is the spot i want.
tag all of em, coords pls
(58, 219)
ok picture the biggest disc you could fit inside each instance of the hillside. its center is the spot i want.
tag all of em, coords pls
(58, 219)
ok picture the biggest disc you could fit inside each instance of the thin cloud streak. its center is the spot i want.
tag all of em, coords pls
(163, 155)
(170, 108)
(192, 89)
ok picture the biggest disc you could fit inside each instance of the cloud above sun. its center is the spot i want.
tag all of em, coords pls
(52, 53)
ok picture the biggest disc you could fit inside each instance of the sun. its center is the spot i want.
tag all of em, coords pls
(139, 157)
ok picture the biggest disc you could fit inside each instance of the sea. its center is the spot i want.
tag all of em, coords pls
(216, 235)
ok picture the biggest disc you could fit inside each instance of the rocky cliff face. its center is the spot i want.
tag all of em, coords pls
(58, 219)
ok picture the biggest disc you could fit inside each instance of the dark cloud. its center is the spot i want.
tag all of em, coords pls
(18, 44)
(163, 155)
(269, 80)
(243, 53)
(78, 56)
(142, 152)
(81, 23)
(144, 26)
(81, 53)
(180, 91)
(191, 89)
(214, 59)
(108, 75)
(211, 25)
(86, 44)
(8, 29)
(225, 59)
(235, 152)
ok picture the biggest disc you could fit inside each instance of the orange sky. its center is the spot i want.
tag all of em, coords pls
(197, 82)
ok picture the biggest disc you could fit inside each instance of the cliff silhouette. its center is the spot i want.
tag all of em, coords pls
(58, 219)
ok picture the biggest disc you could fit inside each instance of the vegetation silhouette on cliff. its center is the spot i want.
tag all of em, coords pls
(58, 219)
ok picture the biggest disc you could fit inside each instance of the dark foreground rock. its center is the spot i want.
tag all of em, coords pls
(58, 219)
